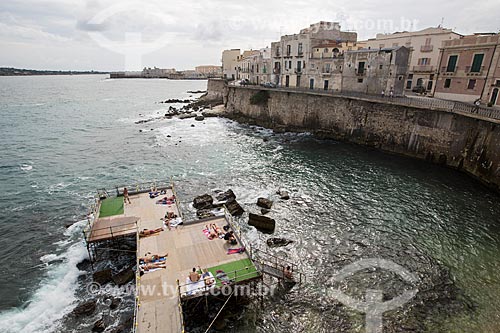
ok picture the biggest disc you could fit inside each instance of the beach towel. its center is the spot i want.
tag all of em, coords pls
(235, 251)
(208, 276)
(207, 233)
(222, 276)
(173, 223)
(151, 270)
(194, 287)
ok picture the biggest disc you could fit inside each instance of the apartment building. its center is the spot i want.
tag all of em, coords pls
(424, 57)
(291, 55)
(373, 71)
(209, 70)
(469, 69)
(230, 63)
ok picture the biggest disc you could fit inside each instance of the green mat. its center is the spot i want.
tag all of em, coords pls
(111, 207)
(242, 274)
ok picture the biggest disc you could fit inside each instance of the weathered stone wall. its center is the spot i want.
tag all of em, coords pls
(216, 90)
(460, 141)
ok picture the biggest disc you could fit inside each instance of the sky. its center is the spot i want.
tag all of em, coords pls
(108, 35)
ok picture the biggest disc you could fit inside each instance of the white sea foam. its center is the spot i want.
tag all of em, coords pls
(55, 297)
(26, 167)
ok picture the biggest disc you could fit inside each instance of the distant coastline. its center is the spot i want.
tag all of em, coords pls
(6, 71)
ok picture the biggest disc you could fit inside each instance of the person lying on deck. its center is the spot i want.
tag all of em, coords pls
(212, 234)
(166, 200)
(152, 265)
(149, 232)
(152, 257)
(194, 276)
(168, 217)
(217, 230)
(209, 281)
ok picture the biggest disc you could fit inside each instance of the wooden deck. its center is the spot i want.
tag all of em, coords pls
(112, 227)
(187, 247)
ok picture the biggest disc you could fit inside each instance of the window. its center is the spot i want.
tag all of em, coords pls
(429, 85)
(360, 80)
(381, 66)
(472, 84)
(477, 63)
(361, 67)
(452, 63)
(424, 61)
(290, 64)
(327, 68)
(410, 76)
(428, 41)
(431, 77)
(278, 51)
(408, 84)
(447, 83)
(325, 50)
(288, 49)
(300, 48)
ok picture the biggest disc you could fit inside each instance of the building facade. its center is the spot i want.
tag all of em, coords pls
(373, 71)
(424, 58)
(469, 69)
(230, 63)
(157, 72)
(291, 55)
(209, 70)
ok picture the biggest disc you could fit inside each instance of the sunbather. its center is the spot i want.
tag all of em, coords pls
(152, 257)
(149, 232)
(152, 265)
(207, 278)
(217, 230)
(211, 234)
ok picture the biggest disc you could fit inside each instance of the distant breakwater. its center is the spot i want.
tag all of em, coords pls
(465, 142)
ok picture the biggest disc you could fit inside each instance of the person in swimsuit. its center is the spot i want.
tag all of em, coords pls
(152, 265)
(147, 232)
(153, 257)
(125, 196)
(209, 281)
(194, 276)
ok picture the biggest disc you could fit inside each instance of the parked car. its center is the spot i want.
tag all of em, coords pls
(244, 82)
(269, 85)
(419, 89)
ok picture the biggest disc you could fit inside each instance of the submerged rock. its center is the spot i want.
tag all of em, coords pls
(102, 277)
(85, 309)
(264, 211)
(284, 195)
(275, 242)
(199, 118)
(264, 203)
(124, 276)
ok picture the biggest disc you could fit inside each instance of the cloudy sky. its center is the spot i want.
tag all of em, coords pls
(117, 35)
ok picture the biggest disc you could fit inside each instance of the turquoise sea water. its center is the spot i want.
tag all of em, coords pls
(61, 138)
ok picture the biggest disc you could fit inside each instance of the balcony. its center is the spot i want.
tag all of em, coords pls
(469, 71)
(426, 48)
(300, 54)
(423, 68)
(445, 71)
(298, 70)
(277, 54)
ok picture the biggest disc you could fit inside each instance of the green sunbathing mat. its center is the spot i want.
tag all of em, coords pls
(111, 207)
(240, 266)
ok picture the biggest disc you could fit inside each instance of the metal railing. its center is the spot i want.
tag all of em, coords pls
(265, 258)
(423, 68)
(118, 230)
(418, 102)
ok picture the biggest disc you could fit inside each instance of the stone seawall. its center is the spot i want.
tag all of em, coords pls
(465, 142)
(216, 90)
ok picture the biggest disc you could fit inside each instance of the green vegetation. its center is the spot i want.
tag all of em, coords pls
(244, 268)
(111, 207)
(260, 98)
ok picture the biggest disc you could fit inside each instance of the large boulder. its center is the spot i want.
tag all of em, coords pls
(225, 196)
(99, 326)
(234, 208)
(261, 222)
(203, 201)
(264, 203)
(284, 195)
(102, 277)
(85, 309)
(124, 276)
